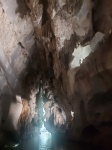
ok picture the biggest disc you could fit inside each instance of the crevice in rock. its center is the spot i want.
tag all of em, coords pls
(45, 15)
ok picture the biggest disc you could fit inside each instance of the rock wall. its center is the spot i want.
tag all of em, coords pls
(73, 42)
(16, 42)
(77, 39)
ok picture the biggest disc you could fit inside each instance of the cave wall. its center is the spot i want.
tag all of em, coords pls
(16, 46)
(16, 41)
(77, 34)
(22, 60)
(74, 43)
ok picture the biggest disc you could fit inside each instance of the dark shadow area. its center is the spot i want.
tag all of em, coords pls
(90, 132)
(65, 55)
(36, 68)
(45, 15)
(22, 9)
(102, 16)
(101, 99)
(104, 124)
(73, 6)
(62, 144)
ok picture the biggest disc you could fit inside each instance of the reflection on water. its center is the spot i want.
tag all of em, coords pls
(44, 141)
(41, 141)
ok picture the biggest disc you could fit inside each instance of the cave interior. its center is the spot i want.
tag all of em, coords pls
(55, 74)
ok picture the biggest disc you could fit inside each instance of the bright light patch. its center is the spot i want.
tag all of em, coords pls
(44, 138)
(43, 111)
(72, 113)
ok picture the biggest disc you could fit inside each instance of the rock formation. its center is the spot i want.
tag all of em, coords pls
(67, 45)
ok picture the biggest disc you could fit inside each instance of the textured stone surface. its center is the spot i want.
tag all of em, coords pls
(72, 53)
(16, 41)
(15, 110)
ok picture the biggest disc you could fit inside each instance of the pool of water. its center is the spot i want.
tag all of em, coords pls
(44, 141)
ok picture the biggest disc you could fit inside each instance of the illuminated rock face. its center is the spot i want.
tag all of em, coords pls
(16, 41)
(67, 44)
(14, 114)
(51, 108)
